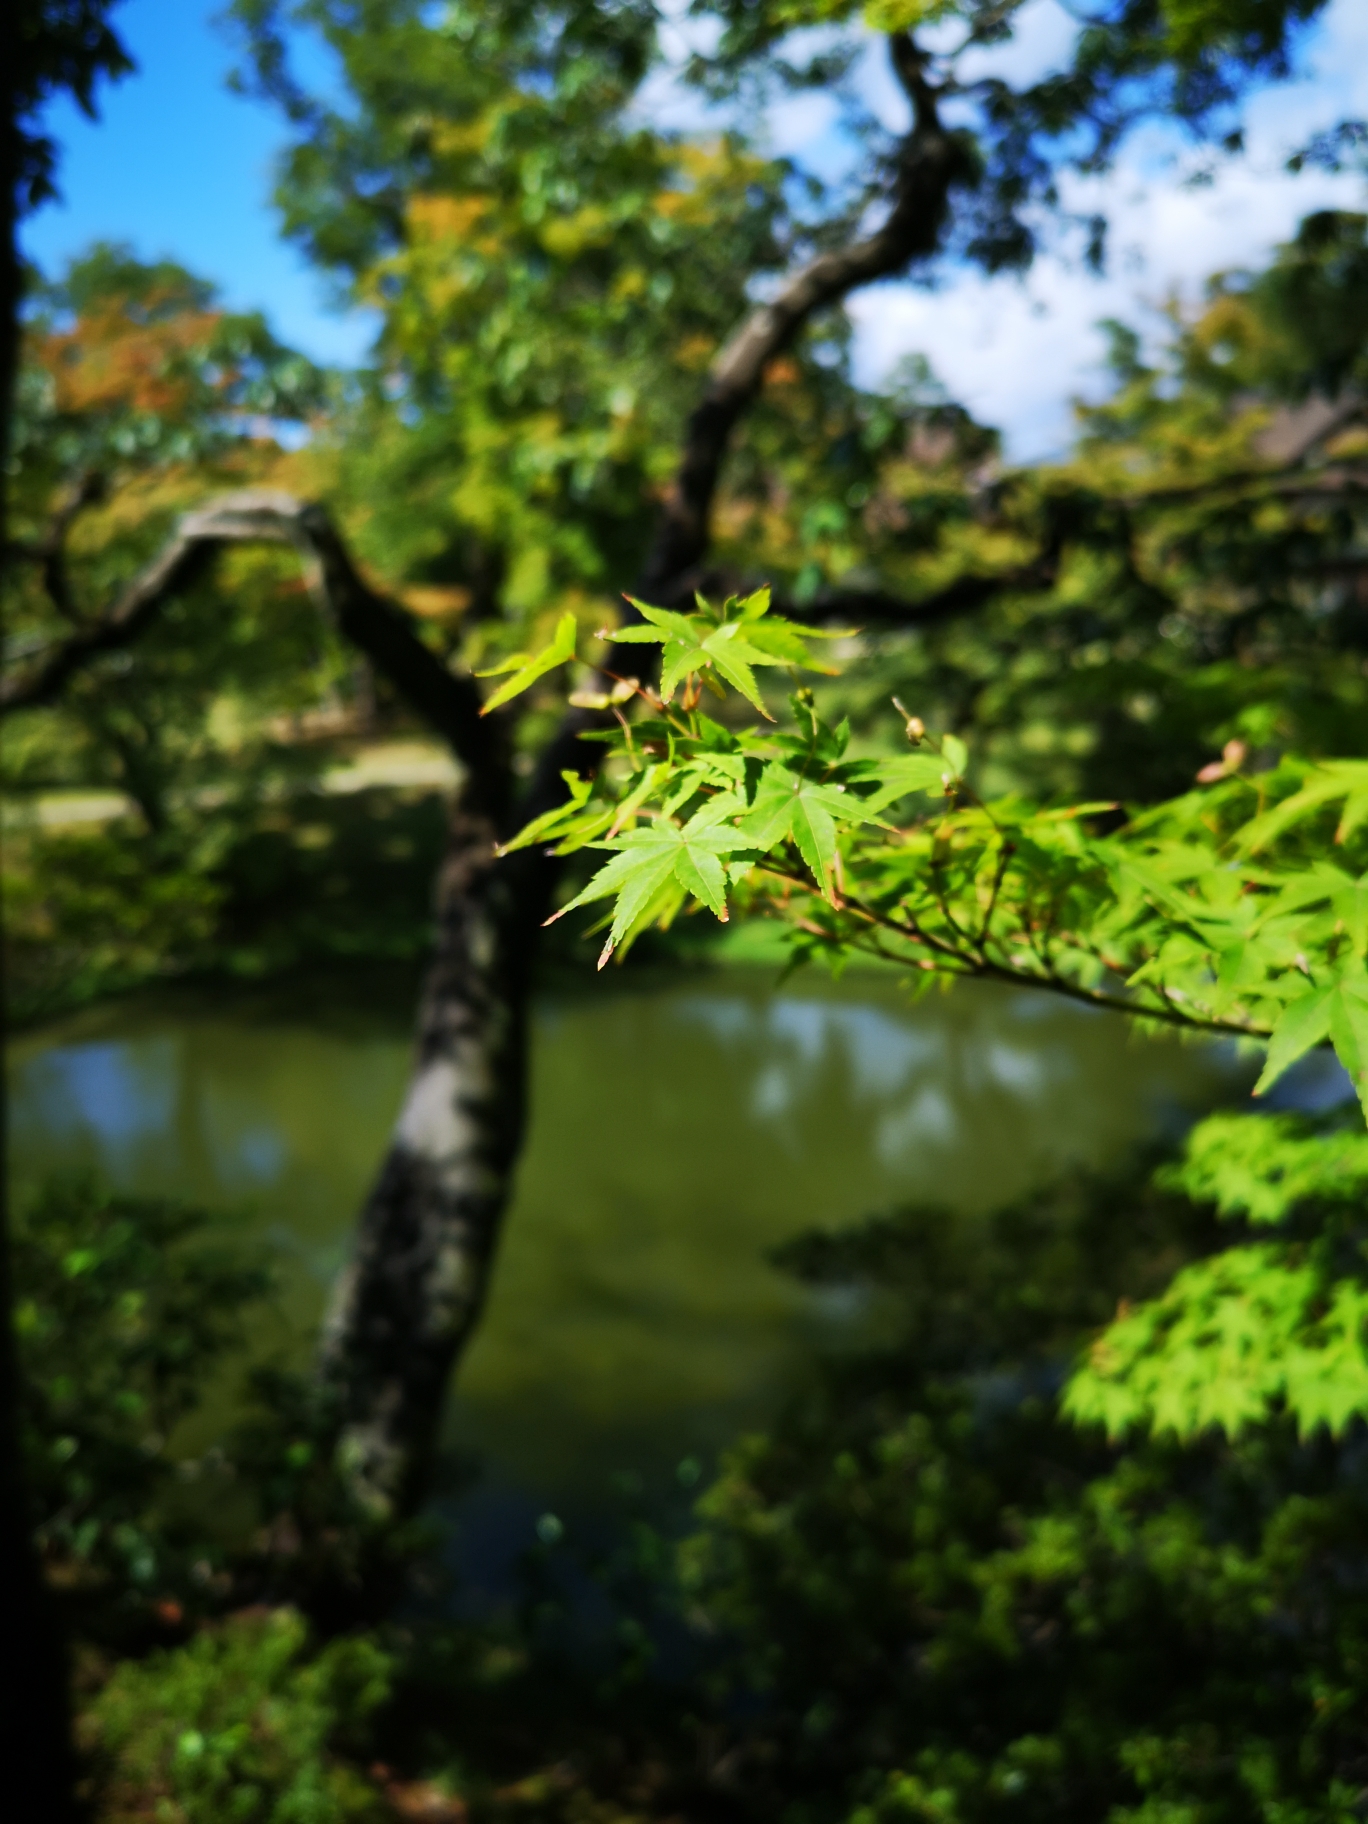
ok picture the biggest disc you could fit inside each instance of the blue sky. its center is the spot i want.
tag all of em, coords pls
(179, 166)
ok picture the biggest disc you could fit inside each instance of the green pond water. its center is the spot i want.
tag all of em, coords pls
(682, 1126)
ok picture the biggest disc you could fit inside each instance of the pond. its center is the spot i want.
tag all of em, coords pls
(682, 1126)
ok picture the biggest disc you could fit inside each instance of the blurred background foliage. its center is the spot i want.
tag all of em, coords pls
(924, 1595)
(1189, 576)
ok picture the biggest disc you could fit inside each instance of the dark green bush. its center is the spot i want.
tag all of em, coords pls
(127, 1308)
(942, 1602)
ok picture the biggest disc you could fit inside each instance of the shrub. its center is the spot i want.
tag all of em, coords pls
(125, 1309)
(240, 1726)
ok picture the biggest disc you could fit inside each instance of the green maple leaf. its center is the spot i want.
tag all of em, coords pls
(528, 667)
(1346, 779)
(728, 643)
(897, 778)
(1338, 1011)
(645, 861)
(788, 806)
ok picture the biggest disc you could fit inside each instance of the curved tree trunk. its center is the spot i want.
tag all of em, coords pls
(407, 1302)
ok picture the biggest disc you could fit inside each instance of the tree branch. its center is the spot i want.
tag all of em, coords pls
(930, 159)
(49, 552)
(963, 596)
(448, 703)
(178, 563)
(1286, 484)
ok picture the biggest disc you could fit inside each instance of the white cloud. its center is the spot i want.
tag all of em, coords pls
(1016, 351)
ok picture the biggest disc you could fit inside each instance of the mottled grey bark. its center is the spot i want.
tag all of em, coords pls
(407, 1302)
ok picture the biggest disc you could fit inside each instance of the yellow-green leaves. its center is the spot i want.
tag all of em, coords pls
(1239, 908)
(1260, 1169)
(721, 643)
(1233, 1339)
(528, 667)
(789, 806)
(1332, 782)
(572, 823)
(1259, 1328)
(1303, 1023)
(906, 15)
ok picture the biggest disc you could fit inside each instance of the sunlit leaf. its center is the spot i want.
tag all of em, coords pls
(646, 858)
(528, 667)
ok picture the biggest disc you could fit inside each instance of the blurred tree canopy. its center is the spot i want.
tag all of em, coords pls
(136, 395)
(554, 275)
(1192, 575)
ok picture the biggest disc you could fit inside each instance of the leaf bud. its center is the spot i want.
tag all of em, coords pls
(915, 727)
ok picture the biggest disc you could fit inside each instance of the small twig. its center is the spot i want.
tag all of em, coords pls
(962, 963)
(1004, 859)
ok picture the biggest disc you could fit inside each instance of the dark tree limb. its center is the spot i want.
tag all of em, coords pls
(929, 162)
(175, 566)
(964, 596)
(49, 552)
(448, 703)
(1298, 483)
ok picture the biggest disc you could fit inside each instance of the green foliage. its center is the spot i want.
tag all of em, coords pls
(723, 645)
(527, 669)
(136, 395)
(1238, 908)
(1188, 578)
(1259, 1329)
(942, 1595)
(95, 912)
(1313, 298)
(312, 879)
(58, 45)
(125, 1311)
(131, 367)
(240, 1726)
(554, 278)
(925, 1594)
(1261, 1170)
(941, 1600)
